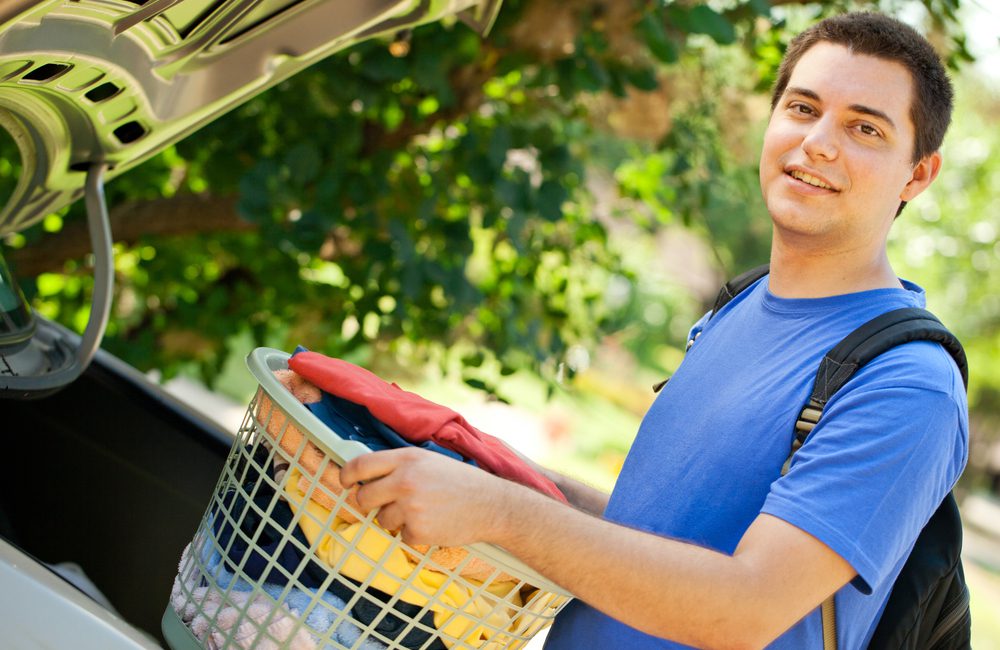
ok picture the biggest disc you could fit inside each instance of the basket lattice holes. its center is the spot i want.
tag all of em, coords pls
(284, 559)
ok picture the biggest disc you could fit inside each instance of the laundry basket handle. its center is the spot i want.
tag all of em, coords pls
(262, 363)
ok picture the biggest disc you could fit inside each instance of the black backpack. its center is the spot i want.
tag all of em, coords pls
(928, 608)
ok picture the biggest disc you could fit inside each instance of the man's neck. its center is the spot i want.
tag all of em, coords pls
(816, 275)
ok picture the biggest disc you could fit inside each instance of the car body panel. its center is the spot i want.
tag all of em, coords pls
(113, 82)
(38, 609)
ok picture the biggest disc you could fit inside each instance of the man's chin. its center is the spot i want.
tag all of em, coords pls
(795, 218)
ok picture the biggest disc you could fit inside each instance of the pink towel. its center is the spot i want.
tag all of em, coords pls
(211, 614)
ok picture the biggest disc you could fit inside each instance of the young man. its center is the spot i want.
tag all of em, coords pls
(703, 542)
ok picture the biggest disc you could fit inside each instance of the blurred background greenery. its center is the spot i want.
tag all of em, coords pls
(533, 218)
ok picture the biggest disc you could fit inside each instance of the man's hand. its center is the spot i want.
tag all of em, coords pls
(429, 497)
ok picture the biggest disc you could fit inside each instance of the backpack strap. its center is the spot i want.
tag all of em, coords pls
(839, 364)
(728, 291)
(866, 343)
(737, 285)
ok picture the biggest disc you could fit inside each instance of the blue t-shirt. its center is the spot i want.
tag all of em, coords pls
(707, 458)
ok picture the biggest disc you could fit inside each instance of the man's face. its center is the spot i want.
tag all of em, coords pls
(837, 152)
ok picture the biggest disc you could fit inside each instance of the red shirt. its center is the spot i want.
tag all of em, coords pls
(418, 419)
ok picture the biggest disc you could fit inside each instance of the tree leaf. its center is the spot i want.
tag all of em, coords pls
(500, 144)
(549, 200)
(642, 78)
(705, 20)
(478, 384)
(303, 161)
(651, 31)
(511, 194)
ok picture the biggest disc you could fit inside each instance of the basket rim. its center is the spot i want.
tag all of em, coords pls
(263, 361)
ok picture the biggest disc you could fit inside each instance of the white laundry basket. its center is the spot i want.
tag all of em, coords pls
(281, 559)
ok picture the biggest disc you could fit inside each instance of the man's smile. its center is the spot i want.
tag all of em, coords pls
(809, 178)
(812, 180)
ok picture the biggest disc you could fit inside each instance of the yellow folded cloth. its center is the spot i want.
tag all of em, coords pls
(462, 608)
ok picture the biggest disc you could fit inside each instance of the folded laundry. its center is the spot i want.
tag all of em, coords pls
(256, 544)
(467, 610)
(300, 388)
(253, 535)
(307, 455)
(417, 419)
(238, 618)
(324, 612)
(311, 459)
(285, 558)
(393, 623)
(354, 422)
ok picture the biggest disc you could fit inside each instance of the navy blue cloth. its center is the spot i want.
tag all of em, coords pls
(270, 531)
(391, 626)
(352, 421)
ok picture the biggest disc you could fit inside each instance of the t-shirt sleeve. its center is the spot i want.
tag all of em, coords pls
(873, 471)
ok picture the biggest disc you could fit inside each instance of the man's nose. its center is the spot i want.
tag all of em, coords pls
(821, 139)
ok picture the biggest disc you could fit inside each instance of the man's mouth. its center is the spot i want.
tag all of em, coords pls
(809, 179)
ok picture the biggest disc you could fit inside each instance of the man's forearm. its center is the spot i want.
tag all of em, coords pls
(660, 586)
(583, 496)
(664, 587)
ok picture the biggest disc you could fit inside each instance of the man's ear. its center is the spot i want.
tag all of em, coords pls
(924, 173)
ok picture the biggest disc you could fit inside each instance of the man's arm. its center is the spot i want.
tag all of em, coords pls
(583, 496)
(663, 587)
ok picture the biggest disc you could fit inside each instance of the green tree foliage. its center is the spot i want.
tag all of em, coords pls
(948, 242)
(432, 194)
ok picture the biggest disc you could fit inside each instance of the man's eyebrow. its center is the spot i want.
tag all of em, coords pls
(857, 108)
(805, 92)
(874, 112)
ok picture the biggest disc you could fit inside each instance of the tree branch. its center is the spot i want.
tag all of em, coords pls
(171, 217)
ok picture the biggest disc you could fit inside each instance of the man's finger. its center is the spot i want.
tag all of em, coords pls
(391, 518)
(377, 493)
(367, 467)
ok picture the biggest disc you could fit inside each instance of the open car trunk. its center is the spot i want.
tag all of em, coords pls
(112, 474)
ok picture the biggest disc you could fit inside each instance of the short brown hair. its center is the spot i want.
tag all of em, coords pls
(883, 37)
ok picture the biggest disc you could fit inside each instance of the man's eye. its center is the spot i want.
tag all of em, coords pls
(802, 109)
(868, 129)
